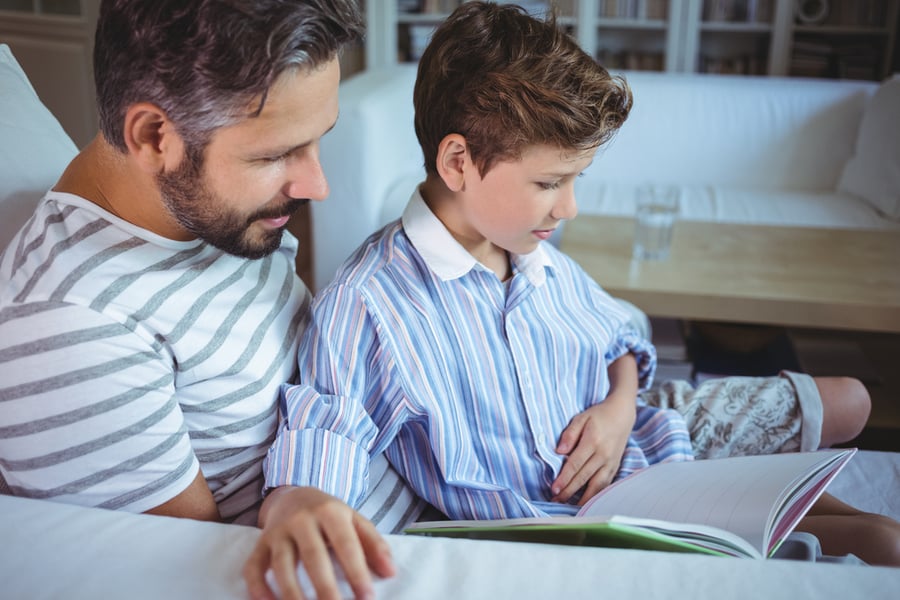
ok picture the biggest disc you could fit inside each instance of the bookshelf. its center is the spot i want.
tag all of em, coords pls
(637, 34)
(743, 37)
(852, 39)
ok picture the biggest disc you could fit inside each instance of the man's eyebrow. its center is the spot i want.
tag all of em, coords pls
(289, 149)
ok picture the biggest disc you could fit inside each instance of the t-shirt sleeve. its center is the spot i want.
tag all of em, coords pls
(89, 411)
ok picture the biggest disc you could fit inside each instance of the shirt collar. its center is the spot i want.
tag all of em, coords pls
(447, 258)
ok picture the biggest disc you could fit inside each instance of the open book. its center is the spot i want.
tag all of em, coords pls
(738, 506)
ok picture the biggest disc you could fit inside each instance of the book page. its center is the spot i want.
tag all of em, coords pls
(738, 494)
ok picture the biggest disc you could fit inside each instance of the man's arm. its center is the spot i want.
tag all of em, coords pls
(195, 502)
(75, 379)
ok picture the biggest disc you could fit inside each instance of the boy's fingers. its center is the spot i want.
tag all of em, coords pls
(255, 573)
(317, 562)
(597, 483)
(566, 476)
(376, 548)
(581, 473)
(348, 551)
(284, 568)
(570, 436)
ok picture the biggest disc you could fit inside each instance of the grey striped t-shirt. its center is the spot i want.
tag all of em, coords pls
(128, 361)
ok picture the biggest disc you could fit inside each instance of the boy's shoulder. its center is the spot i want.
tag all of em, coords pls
(380, 255)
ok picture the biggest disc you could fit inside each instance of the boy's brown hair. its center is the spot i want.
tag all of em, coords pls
(506, 81)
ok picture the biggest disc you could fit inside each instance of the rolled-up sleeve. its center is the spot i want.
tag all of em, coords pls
(323, 441)
(326, 434)
(627, 340)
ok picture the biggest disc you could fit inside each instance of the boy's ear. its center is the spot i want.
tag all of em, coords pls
(453, 161)
(151, 138)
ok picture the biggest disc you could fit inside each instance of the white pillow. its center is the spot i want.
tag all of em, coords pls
(873, 173)
(34, 148)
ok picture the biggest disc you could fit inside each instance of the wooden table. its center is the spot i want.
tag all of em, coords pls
(800, 277)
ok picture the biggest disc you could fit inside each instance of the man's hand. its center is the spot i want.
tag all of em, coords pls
(304, 524)
(594, 442)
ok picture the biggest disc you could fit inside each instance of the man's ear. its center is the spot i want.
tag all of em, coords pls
(151, 138)
(453, 161)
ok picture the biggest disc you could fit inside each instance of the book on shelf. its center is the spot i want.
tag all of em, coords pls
(735, 11)
(738, 506)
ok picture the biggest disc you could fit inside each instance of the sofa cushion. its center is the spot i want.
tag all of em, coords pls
(873, 173)
(748, 205)
(34, 148)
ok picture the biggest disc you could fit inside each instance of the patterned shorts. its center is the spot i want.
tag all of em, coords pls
(734, 416)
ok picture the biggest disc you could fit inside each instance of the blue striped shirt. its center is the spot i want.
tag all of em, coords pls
(464, 381)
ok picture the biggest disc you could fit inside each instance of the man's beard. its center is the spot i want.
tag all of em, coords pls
(206, 215)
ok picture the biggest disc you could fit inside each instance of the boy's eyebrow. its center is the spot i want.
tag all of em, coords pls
(567, 173)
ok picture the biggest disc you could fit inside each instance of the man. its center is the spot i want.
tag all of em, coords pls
(149, 310)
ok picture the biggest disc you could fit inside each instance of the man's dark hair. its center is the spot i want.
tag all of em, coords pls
(209, 63)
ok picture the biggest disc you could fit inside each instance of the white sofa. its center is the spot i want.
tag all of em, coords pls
(34, 148)
(743, 149)
(98, 553)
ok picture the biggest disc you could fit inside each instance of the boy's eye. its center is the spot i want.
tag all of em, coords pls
(549, 185)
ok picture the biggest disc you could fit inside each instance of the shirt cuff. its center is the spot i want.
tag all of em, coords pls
(643, 351)
(321, 459)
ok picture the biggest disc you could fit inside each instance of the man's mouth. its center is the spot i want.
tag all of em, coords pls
(282, 216)
(276, 222)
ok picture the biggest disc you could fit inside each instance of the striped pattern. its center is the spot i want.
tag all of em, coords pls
(418, 351)
(128, 361)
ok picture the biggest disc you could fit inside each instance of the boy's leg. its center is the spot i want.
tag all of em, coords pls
(734, 416)
(842, 529)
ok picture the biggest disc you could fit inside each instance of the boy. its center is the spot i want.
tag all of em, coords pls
(496, 376)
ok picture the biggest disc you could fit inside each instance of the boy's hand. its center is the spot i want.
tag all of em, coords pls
(308, 525)
(594, 441)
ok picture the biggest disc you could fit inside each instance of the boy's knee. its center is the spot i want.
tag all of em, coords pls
(846, 406)
(858, 397)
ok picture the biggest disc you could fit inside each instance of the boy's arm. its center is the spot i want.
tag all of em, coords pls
(318, 464)
(596, 438)
(303, 524)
